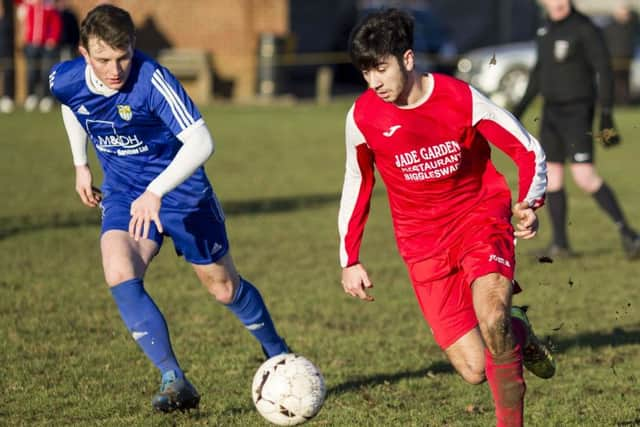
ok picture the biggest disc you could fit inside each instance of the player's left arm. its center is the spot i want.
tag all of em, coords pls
(176, 109)
(505, 132)
(197, 147)
(597, 54)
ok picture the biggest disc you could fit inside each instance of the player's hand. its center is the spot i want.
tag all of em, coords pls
(527, 221)
(609, 136)
(355, 282)
(89, 194)
(145, 209)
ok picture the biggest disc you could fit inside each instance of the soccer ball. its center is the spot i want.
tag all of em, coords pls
(288, 390)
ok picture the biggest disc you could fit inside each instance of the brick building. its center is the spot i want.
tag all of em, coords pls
(227, 29)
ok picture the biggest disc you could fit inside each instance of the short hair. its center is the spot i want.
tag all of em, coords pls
(379, 34)
(110, 24)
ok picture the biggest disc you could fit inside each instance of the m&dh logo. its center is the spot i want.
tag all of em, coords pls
(124, 111)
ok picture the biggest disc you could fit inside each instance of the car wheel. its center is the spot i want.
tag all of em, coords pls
(513, 84)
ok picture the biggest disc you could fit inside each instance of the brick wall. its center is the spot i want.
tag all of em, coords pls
(229, 29)
(602, 6)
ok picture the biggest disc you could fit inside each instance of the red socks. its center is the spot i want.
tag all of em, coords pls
(504, 375)
(519, 331)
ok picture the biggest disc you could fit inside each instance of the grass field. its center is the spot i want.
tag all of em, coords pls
(68, 360)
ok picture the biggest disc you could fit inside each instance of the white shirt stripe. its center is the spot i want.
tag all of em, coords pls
(173, 108)
(178, 102)
(178, 108)
(483, 109)
(157, 81)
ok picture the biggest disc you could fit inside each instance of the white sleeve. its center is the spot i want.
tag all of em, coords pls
(196, 149)
(356, 192)
(507, 133)
(77, 136)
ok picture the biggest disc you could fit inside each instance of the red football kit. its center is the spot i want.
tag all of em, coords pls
(451, 208)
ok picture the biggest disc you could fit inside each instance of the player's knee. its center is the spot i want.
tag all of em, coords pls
(589, 186)
(222, 289)
(115, 277)
(473, 375)
(468, 359)
(495, 328)
(587, 179)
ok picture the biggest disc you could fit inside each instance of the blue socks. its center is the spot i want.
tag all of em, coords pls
(148, 327)
(146, 324)
(249, 307)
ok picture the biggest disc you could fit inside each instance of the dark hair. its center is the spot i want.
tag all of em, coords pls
(110, 24)
(379, 34)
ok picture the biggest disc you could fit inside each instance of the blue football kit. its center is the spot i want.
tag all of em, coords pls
(135, 134)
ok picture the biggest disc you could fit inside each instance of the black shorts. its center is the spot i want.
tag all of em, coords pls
(6, 41)
(566, 132)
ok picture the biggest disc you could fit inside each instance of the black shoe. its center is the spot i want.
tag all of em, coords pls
(175, 393)
(554, 251)
(631, 245)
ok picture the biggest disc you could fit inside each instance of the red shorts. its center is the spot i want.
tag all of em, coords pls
(443, 283)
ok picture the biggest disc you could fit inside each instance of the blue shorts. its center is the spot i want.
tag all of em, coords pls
(198, 233)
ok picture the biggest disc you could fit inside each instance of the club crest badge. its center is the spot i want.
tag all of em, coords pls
(561, 50)
(124, 111)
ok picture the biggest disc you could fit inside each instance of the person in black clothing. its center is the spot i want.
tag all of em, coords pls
(70, 31)
(621, 35)
(7, 71)
(573, 72)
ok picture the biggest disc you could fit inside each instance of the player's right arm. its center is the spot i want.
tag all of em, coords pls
(89, 195)
(354, 209)
(355, 282)
(65, 80)
(532, 90)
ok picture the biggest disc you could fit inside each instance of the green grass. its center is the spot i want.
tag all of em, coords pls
(68, 360)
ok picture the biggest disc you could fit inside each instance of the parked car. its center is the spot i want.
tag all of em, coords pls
(502, 72)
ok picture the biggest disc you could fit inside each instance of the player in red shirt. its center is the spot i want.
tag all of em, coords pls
(42, 31)
(428, 135)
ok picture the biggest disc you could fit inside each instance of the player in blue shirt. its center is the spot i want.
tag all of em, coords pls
(151, 142)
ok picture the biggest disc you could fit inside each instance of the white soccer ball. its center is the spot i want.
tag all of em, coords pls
(288, 390)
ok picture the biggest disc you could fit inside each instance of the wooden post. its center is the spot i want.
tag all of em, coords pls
(324, 83)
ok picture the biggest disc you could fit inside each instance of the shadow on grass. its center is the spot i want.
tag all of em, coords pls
(12, 225)
(379, 379)
(635, 422)
(238, 411)
(615, 338)
(279, 204)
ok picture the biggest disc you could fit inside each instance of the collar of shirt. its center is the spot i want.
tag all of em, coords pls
(95, 85)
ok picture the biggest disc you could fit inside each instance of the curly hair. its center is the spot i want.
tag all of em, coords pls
(379, 34)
